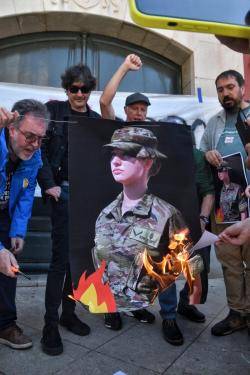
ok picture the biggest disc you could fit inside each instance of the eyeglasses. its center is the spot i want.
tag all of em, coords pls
(83, 89)
(31, 137)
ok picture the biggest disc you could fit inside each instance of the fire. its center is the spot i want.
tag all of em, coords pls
(172, 264)
(157, 270)
(92, 292)
(219, 216)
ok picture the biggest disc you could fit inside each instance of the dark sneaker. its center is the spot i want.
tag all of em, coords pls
(74, 325)
(171, 332)
(143, 316)
(113, 321)
(14, 338)
(51, 340)
(191, 313)
(233, 322)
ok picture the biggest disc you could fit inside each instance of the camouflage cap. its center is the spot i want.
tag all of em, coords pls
(223, 167)
(135, 138)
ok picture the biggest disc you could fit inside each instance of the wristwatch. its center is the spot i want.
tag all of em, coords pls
(204, 218)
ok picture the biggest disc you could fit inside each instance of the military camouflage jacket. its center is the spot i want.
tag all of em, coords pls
(121, 239)
(232, 202)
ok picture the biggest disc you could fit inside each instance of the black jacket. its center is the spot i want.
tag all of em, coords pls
(54, 147)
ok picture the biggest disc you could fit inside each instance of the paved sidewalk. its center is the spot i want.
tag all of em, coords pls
(138, 349)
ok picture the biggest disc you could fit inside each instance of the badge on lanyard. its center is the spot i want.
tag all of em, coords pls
(229, 139)
(25, 183)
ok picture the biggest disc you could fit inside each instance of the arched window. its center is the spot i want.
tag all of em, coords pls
(39, 59)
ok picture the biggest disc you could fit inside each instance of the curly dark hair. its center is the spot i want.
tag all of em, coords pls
(231, 73)
(79, 73)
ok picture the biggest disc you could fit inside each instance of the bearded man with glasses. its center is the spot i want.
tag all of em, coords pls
(21, 134)
(78, 83)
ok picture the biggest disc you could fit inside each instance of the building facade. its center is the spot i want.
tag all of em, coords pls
(39, 39)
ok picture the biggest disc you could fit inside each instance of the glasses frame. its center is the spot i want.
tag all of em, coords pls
(31, 137)
(75, 89)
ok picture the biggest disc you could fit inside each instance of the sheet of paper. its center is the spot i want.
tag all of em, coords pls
(206, 239)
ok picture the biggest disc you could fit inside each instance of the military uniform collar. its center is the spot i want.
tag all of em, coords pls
(142, 208)
(144, 205)
(231, 186)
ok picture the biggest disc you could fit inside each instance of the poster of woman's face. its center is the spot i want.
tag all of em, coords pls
(95, 184)
(231, 203)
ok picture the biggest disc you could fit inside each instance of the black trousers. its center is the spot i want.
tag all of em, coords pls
(59, 283)
(7, 284)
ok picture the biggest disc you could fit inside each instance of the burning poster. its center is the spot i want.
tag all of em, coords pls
(231, 203)
(156, 259)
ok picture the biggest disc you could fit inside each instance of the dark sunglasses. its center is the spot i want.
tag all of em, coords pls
(83, 89)
(31, 137)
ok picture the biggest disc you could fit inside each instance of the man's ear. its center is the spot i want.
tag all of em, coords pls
(11, 129)
(243, 90)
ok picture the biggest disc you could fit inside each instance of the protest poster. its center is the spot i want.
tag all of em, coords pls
(231, 203)
(92, 188)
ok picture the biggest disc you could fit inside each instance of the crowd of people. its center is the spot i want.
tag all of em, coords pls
(30, 151)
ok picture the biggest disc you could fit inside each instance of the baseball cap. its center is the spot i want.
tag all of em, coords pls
(137, 97)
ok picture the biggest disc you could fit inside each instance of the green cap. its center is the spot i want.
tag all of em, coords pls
(223, 167)
(138, 139)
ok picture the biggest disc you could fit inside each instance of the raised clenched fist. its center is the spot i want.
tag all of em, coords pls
(133, 62)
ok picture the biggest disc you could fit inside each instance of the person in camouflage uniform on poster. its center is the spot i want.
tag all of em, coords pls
(136, 220)
(233, 202)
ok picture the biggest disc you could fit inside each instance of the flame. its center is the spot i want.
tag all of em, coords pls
(176, 261)
(152, 267)
(219, 216)
(92, 292)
